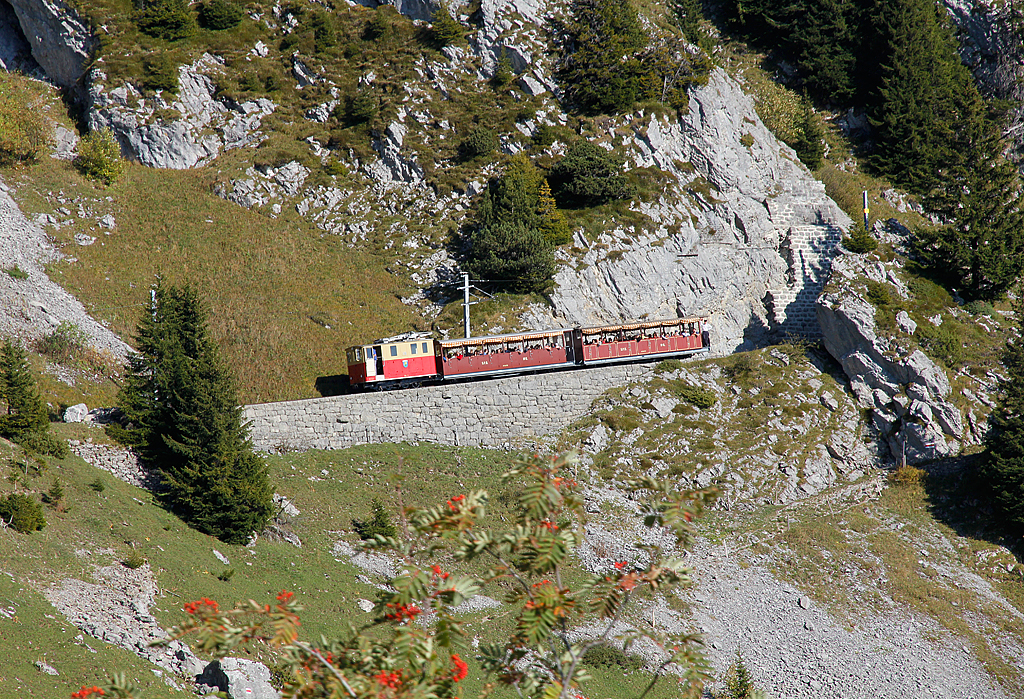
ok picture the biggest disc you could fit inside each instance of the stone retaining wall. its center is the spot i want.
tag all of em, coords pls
(479, 413)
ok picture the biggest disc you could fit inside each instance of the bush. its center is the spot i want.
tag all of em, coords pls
(942, 342)
(324, 35)
(43, 443)
(908, 476)
(878, 294)
(24, 131)
(446, 29)
(589, 175)
(54, 495)
(504, 74)
(21, 513)
(219, 15)
(859, 240)
(362, 107)
(479, 141)
(134, 560)
(99, 157)
(170, 20)
(612, 657)
(159, 73)
(97, 486)
(667, 365)
(15, 272)
(382, 24)
(379, 524)
(979, 308)
(64, 342)
(695, 395)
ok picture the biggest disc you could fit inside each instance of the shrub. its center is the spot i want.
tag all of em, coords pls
(362, 107)
(612, 657)
(908, 476)
(379, 524)
(24, 131)
(382, 24)
(942, 342)
(64, 342)
(21, 513)
(979, 308)
(589, 175)
(159, 73)
(878, 294)
(15, 272)
(479, 141)
(504, 74)
(134, 560)
(324, 35)
(54, 495)
(667, 365)
(43, 443)
(99, 157)
(170, 20)
(859, 240)
(97, 486)
(219, 15)
(739, 684)
(226, 575)
(695, 395)
(446, 29)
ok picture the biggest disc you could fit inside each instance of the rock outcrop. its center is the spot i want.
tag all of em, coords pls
(60, 39)
(908, 394)
(176, 131)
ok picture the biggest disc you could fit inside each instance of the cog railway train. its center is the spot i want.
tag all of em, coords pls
(412, 361)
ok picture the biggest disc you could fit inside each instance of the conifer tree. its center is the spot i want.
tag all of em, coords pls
(25, 410)
(185, 420)
(1003, 468)
(924, 96)
(552, 221)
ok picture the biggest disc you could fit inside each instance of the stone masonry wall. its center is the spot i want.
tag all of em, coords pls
(479, 413)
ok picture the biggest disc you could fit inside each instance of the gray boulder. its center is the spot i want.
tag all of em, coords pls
(60, 39)
(76, 413)
(240, 678)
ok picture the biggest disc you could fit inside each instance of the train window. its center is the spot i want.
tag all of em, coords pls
(394, 350)
(424, 348)
(412, 348)
(359, 355)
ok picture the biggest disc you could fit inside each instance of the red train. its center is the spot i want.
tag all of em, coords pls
(413, 361)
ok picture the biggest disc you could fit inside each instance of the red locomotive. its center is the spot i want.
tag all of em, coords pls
(416, 360)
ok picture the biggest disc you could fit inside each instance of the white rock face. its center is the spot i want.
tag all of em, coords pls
(746, 235)
(909, 396)
(201, 126)
(60, 39)
(76, 413)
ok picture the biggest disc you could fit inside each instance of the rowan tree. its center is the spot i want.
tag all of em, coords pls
(1003, 467)
(414, 646)
(184, 419)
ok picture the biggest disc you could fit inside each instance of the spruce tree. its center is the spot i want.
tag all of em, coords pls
(1003, 467)
(25, 410)
(980, 249)
(183, 414)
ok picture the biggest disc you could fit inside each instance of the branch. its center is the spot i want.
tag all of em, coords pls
(334, 671)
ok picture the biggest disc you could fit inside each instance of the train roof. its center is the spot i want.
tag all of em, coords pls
(512, 337)
(640, 325)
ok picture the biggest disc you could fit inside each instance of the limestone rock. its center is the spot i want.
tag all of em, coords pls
(907, 392)
(240, 678)
(905, 323)
(59, 37)
(176, 131)
(76, 413)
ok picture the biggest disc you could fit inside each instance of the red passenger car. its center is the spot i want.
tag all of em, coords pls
(498, 355)
(649, 340)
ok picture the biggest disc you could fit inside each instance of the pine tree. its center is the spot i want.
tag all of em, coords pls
(512, 255)
(182, 408)
(1003, 468)
(447, 30)
(25, 409)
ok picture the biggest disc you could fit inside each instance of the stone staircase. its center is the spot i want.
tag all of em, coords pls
(808, 249)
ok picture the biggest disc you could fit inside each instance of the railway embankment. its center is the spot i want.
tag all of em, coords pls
(479, 413)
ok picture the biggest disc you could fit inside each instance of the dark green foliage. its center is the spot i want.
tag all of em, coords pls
(691, 22)
(809, 141)
(362, 107)
(503, 73)
(607, 656)
(225, 576)
(607, 63)
(980, 250)
(878, 294)
(43, 443)
(325, 36)
(943, 342)
(16, 272)
(512, 256)
(979, 308)
(54, 495)
(479, 141)
(97, 486)
(180, 399)
(446, 29)
(170, 20)
(824, 39)
(667, 365)
(1003, 467)
(739, 683)
(702, 398)
(134, 560)
(219, 15)
(859, 240)
(925, 97)
(589, 175)
(24, 411)
(21, 513)
(382, 25)
(379, 523)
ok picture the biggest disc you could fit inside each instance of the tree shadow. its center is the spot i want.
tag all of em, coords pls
(959, 498)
